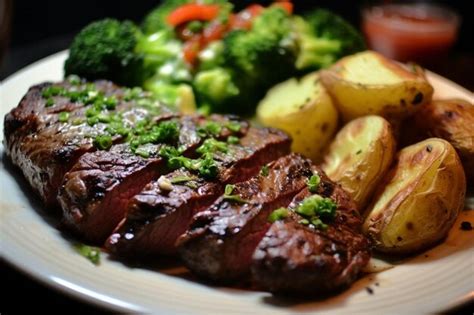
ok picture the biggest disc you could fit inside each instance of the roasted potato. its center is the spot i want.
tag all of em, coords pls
(369, 84)
(360, 155)
(419, 200)
(303, 109)
(452, 120)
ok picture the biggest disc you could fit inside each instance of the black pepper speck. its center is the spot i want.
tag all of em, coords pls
(466, 226)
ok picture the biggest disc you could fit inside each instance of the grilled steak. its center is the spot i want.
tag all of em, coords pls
(115, 160)
(156, 216)
(96, 191)
(296, 258)
(221, 240)
(45, 148)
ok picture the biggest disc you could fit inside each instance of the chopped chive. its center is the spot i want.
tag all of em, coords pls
(313, 183)
(89, 252)
(233, 140)
(264, 171)
(103, 142)
(49, 102)
(63, 116)
(278, 214)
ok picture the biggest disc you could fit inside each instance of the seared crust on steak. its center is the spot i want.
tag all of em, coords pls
(156, 217)
(221, 240)
(45, 148)
(298, 259)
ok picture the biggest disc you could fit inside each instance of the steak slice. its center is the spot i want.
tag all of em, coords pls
(221, 240)
(299, 259)
(96, 191)
(45, 148)
(156, 217)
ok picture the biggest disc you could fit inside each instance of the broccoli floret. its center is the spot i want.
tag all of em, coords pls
(106, 50)
(212, 56)
(255, 60)
(323, 37)
(215, 85)
(267, 51)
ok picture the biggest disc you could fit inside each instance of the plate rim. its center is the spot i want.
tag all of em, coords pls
(101, 300)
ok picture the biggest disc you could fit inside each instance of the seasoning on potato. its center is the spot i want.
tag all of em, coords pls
(303, 109)
(360, 155)
(420, 198)
(369, 84)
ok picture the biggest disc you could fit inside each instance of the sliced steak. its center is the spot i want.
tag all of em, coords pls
(300, 259)
(96, 191)
(221, 240)
(45, 148)
(156, 217)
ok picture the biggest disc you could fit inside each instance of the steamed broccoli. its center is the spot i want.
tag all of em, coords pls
(249, 63)
(265, 53)
(120, 52)
(324, 37)
(106, 50)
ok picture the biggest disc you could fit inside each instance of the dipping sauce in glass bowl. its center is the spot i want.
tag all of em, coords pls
(410, 32)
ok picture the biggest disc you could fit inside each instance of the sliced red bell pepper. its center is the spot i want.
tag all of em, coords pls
(192, 12)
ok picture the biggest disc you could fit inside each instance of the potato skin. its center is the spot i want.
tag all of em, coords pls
(369, 84)
(452, 120)
(360, 156)
(303, 109)
(420, 199)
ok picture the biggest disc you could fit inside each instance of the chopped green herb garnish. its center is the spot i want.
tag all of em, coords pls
(207, 167)
(233, 126)
(210, 128)
(52, 90)
(230, 197)
(89, 252)
(91, 121)
(103, 142)
(49, 102)
(169, 152)
(63, 116)
(313, 183)
(315, 209)
(77, 121)
(133, 94)
(104, 118)
(264, 171)
(228, 189)
(143, 151)
(278, 214)
(233, 140)
(212, 145)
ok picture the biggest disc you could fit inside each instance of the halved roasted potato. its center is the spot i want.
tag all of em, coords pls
(369, 84)
(303, 109)
(452, 120)
(360, 155)
(420, 199)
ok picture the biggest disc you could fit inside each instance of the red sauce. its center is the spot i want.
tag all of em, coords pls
(416, 32)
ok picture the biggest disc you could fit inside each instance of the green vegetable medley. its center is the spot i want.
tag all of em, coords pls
(200, 53)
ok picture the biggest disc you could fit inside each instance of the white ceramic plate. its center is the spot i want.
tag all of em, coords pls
(434, 281)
